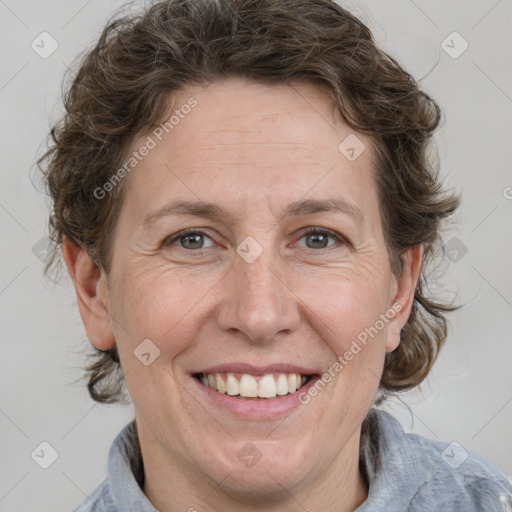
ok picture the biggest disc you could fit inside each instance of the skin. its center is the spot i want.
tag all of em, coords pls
(252, 149)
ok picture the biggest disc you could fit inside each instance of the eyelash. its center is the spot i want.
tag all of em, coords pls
(309, 231)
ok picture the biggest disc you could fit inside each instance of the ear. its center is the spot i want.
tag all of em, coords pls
(91, 293)
(403, 288)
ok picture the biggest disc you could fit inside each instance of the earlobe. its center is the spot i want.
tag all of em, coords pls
(404, 290)
(91, 294)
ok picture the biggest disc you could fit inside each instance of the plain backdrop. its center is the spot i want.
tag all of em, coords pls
(468, 397)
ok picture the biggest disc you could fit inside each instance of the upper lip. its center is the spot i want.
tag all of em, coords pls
(257, 370)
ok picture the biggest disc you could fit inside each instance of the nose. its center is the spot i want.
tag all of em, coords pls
(257, 301)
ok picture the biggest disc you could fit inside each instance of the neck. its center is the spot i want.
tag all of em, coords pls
(172, 484)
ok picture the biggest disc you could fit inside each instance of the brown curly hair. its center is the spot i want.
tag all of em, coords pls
(121, 90)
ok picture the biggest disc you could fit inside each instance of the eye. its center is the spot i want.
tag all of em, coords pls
(319, 238)
(190, 239)
(193, 239)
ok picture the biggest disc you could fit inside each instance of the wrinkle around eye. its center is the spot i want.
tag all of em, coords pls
(339, 242)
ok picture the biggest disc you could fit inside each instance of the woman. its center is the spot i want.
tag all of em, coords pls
(244, 202)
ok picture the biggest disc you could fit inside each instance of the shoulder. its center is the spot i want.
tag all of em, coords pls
(100, 500)
(417, 474)
(122, 490)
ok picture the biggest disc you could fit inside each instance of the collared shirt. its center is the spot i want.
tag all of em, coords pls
(404, 472)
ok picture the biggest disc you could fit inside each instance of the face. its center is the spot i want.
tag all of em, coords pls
(250, 291)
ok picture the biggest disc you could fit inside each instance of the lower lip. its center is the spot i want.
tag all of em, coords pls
(264, 409)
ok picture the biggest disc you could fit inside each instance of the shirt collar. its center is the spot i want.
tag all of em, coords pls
(394, 467)
(126, 472)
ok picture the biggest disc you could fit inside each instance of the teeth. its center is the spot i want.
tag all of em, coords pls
(232, 387)
(221, 385)
(292, 382)
(248, 386)
(267, 387)
(212, 381)
(282, 385)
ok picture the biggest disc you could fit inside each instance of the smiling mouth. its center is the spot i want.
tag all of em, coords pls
(249, 387)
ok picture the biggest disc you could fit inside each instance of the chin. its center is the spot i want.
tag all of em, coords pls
(262, 468)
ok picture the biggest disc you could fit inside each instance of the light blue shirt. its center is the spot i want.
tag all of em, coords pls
(405, 473)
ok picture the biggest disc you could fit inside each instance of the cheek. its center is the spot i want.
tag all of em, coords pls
(346, 306)
(162, 305)
(351, 316)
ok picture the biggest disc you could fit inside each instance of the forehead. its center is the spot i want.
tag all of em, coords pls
(244, 143)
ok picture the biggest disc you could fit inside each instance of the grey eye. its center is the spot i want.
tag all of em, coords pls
(192, 241)
(189, 239)
(318, 240)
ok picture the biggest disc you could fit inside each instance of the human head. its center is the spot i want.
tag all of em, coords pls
(125, 89)
(325, 44)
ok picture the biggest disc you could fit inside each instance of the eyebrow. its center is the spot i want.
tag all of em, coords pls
(214, 211)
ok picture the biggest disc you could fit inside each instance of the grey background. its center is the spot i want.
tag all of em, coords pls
(468, 397)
